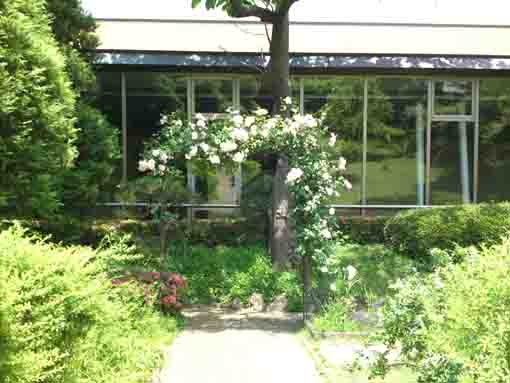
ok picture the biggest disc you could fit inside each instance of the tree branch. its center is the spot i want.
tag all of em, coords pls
(237, 9)
(285, 6)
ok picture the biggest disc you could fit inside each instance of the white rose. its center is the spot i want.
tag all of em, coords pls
(163, 157)
(238, 157)
(193, 152)
(237, 120)
(156, 152)
(309, 121)
(201, 123)
(294, 175)
(287, 100)
(187, 156)
(326, 233)
(142, 166)
(178, 123)
(240, 134)
(164, 120)
(332, 139)
(204, 147)
(194, 135)
(332, 287)
(342, 163)
(151, 164)
(329, 191)
(347, 185)
(249, 121)
(200, 117)
(228, 146)
(332, 211)
(161, 168)
(261, 112)
(324, 269)
(214, 159)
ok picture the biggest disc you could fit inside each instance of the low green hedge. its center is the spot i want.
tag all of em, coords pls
(416, 232)
(363, 230)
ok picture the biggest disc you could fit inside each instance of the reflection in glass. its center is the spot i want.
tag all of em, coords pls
(494, 158)
(341, 101)
(453, 97)
(149, 95)
(253, 94)
(396, 141)
(452, 162)
(213, 95)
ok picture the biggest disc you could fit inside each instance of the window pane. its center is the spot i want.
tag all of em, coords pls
(494, 158)
(451, 162)
(213, 96)
(396, 141)
(253, 96)
(453, 97)
(149, 95)
(341, 99)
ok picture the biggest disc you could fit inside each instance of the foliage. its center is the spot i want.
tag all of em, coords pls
(363, 230)
(416, 232)
(452, 325)
(357, 276)
(313, 177)
(98, 145)
(222, 274)
(36, 109)
(61, 320)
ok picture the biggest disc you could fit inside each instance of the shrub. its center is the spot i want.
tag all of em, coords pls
(61, 320)
(363, 230)
(416, 232)
(452, 324)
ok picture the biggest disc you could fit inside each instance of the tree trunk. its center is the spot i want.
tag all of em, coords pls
(279, 82)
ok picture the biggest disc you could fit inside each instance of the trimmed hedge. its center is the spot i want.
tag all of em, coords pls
(416, 232)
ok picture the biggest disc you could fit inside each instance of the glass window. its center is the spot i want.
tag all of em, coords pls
(452, 163)
(396, 141)
(341, 101)
(253, 95)
(453, 97)
(213, 95)
(494, 157)
(149, 95)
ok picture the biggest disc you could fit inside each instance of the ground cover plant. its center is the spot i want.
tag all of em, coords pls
(452, 324)
(222, 274)
(63, 320)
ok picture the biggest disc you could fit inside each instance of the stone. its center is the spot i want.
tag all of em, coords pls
(236, 304)
(279, 304)
(256, 302)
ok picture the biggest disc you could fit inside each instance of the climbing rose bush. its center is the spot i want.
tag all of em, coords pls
(315, 176)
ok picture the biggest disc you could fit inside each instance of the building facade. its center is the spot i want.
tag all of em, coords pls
(422, 111)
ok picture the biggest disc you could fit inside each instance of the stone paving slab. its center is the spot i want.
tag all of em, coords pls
(226, 346)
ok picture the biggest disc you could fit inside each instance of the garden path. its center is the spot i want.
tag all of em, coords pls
(226, 346)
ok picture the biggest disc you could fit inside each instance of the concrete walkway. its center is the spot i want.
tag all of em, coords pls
(225, 346)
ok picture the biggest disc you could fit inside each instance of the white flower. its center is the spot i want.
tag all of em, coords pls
(261, 112)
(324, 269)
(163, 157)
(240, 134)
(200, 117)
(287, 100)
(249, 121)
(178, 123)
(187, 156)
(194, 135)
(214, 159)
(237, 120)
(253, 130)
(347, 185)
(351, 272)
(342, 163)
(332, 211)
(193, 151)
(332, 139)
(228, 146)
(294, 175)
(329, 191)
(156, 152)
(326, 233)
(332, 287)
(161, 168)
(142, 166)
(238, 157)
(204, 147)
(164, 120)
(151, 164)
(309, 121)
(201, 123)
